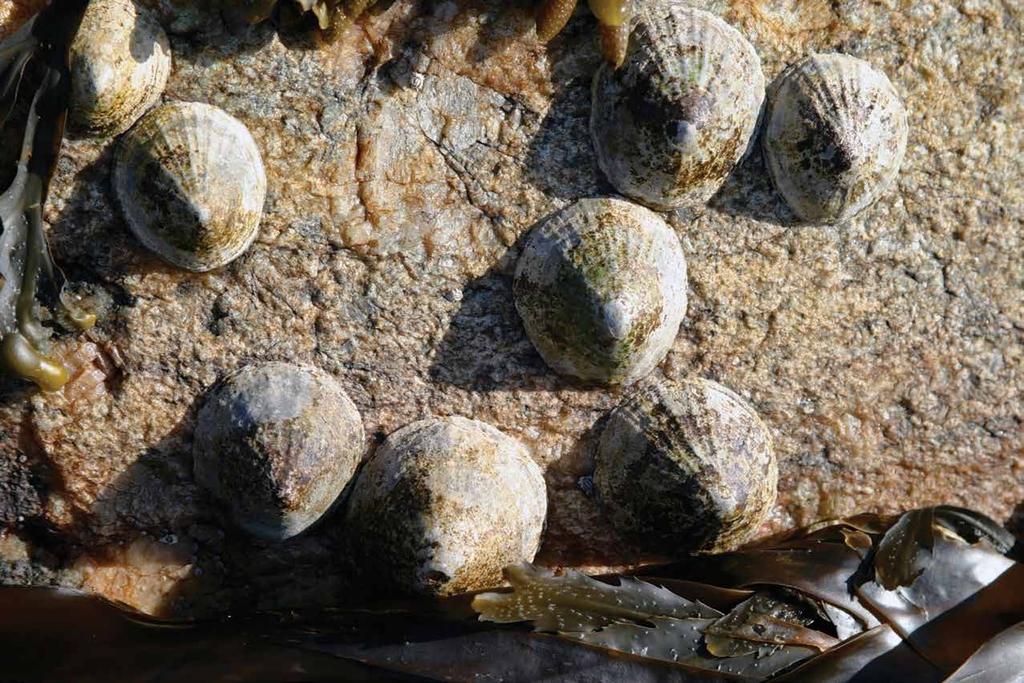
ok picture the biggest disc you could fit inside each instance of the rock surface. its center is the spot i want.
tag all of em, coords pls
(404, 164)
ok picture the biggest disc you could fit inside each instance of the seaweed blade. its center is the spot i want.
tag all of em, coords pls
(34, 59)
(635, 617)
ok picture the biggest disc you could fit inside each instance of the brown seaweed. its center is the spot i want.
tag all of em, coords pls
(34, 84)
(910, 598)
(614, 17)
(809, 608)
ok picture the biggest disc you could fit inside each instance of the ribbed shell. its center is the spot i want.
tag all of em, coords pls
(276, 443)
(191, 184)
(601, 289)
(120, 61)
(673, 121)
(444, 505)
(835, 136)
(685, 466)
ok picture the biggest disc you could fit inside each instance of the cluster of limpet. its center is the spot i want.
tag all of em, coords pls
(276, 443)
(835, 136)
(444, 505)
(120, 61)
(601, 289)
(190, 181)
(447, 503)
(685, 466)
(670, 125)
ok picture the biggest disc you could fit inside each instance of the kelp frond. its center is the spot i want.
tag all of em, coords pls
(34, 83)
(828, 600)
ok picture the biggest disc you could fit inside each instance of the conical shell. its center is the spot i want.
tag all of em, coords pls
(835, 136)
(120, 60)
(685, 466)
(191, 184)
(275, 444)
(673, 121)
(444, 505)
(601, 289)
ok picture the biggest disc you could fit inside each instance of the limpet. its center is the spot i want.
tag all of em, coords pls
(835, 136)
(601, 289)
(120, 60)
(685, 466)
(444, 505)
(276, 443)
(673, 121)
(190, 182)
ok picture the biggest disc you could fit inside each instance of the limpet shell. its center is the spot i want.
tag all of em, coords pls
(190, 181)
(120, 60)
(835, 136)
(685, 466)
(444, 505)
(276, 443)
(673, 121)
(601, 289)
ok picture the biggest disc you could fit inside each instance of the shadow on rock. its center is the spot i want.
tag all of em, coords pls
(748, 192)
(89, 238)
(486, 347)
(560, 161)
(578, 532)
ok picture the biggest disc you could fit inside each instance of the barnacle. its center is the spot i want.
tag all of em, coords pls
(34, 86)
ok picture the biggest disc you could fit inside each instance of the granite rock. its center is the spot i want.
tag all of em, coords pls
(404, 164)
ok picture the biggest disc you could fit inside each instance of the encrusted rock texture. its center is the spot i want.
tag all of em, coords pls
(405, 163)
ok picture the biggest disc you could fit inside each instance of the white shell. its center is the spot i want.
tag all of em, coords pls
(673, 121)
(601, 289)
(276, 443)
(120, 60)
(191, 184)
(685, 466)
(444, 506)
(835, 136)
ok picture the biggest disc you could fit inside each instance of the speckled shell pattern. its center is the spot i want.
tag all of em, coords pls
(673, 121)
(276, 443)
(120, 61)
(601, 289)
(835, 136)
(685, 466)
(444, 505)
(191, 184)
